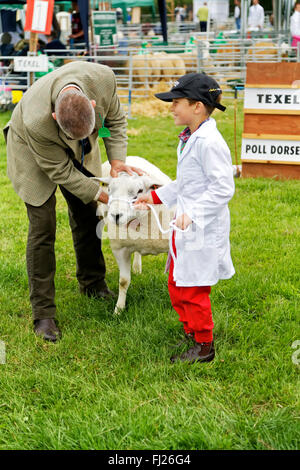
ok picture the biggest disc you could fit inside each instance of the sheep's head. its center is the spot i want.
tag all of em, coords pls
(122, 192)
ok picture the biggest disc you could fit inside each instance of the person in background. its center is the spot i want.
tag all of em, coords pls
(119, 13)
(6, 47)
(202, 15)
(128, 15)
(295, 24)
(237, 14)
(54, 44)
(256, 16)
(77, 35)
(182, 11)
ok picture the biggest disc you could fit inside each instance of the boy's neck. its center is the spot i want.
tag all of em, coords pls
(194, 125)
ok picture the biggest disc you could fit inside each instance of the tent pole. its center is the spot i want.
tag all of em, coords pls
(92, 30)
(243, 18)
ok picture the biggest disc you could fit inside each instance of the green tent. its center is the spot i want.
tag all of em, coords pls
(124, 4)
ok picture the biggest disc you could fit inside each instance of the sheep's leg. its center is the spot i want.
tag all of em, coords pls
(123, 257)
(137, 263)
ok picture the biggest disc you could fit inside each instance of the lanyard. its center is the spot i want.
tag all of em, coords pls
(82, 153)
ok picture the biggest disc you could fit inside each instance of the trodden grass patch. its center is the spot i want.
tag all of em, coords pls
(109, 384)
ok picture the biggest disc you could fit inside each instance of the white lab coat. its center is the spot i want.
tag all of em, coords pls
(295, 24)
(256, 16)
(203, 188)
(237, 12)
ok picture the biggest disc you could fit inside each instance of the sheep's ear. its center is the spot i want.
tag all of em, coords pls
(151, 183)
(104, 180)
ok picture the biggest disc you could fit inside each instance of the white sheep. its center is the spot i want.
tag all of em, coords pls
(130, 230)
(151, 68)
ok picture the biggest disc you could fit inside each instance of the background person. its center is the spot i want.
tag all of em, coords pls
(256, 16)
(52, 140)
(54, 44)
(295, 24)
(77, 35)
(237, 14)
(182, 12)
(202, 15)
(177, 14)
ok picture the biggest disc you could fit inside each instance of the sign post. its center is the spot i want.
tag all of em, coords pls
(39, 14)
(271, 137)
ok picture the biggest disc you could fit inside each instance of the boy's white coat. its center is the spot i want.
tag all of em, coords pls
(203, 188)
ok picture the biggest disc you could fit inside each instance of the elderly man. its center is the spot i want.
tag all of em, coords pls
(52, 139)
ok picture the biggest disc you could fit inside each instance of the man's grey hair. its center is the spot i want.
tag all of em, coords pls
(75, 114)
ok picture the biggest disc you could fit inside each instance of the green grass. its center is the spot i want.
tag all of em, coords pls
(109, 383)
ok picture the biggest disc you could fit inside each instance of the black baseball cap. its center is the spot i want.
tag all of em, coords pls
(196, 86)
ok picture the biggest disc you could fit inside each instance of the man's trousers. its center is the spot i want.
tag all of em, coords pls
(40, 254)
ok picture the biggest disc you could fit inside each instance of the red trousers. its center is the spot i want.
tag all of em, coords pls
(192, 305)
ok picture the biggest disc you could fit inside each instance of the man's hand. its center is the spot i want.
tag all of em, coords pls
(117, 166)
(142, 201)
(183, 221)
(103, 197)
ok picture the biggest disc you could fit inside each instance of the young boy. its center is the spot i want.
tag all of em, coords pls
(200, 255)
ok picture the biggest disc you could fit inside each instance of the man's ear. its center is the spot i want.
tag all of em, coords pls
(93, 103)
(54, 116)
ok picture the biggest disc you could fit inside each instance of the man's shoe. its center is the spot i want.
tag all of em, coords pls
(47, 329)
(200, 352)
(103, 293)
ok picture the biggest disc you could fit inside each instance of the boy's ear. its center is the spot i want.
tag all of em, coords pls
(199, 106)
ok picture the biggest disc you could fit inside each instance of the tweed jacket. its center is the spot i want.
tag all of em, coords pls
(40, 156)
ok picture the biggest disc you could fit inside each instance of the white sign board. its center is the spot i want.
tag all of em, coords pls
(31, 64)
(40, 13)
(271, 150)
(283, 99)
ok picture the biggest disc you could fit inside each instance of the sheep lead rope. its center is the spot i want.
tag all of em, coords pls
(171, 224)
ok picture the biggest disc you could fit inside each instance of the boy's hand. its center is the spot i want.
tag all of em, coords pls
(183, 221)
(142, 201)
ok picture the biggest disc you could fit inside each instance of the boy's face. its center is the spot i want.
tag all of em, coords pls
(183, 111)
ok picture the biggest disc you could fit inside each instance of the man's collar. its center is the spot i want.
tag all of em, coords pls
(71, 85)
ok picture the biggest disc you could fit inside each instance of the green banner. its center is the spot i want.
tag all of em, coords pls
(105, 28)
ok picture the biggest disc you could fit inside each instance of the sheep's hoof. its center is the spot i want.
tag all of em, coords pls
(137, 269)
(118, 310)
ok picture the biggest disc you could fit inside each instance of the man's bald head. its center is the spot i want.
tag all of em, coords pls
(74, 114)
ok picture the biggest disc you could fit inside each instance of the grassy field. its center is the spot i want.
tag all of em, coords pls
(109, 383)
